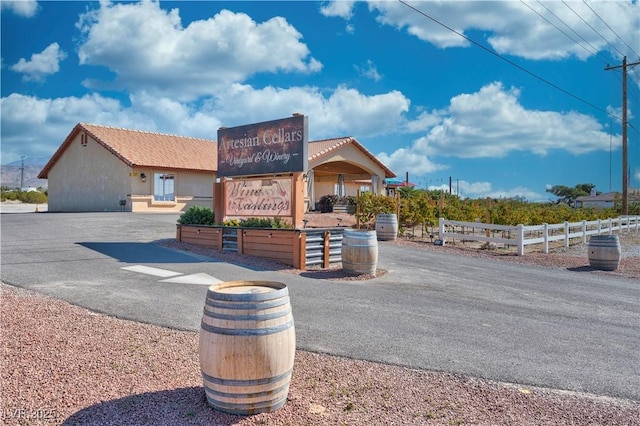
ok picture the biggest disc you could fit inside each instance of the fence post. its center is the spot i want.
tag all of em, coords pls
(520, 232)
(566, 234)
(300, 251)
(584, 232)
(599, 226)
(610, 226)
(441, 230)
(545, 227)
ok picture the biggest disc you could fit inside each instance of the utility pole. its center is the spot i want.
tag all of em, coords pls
(22, 173)
(625, 176)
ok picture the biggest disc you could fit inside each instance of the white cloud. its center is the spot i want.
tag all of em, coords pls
(493, 123)
(49, 121)
(342, 8)
(369, 71)
(41, 64)
(516, 28)
(341, 113)
(476, 190)
(409, 159)
(149, 49)
(25, 8)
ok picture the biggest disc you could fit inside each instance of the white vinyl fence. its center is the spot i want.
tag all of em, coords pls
(521, 236)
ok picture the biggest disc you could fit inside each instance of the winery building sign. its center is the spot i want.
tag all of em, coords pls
(259, 197)
(271, 147)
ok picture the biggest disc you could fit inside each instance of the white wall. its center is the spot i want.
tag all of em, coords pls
(88, 178)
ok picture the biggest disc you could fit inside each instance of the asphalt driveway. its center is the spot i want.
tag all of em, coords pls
(485, 318)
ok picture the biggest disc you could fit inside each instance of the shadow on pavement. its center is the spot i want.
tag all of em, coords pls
(141, 253)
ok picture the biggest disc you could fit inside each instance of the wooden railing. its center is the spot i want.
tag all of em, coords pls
(521, 236)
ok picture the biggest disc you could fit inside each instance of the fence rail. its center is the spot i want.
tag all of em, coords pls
(536, 234)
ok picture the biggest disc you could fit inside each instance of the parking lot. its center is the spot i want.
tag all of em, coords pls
(478, 317)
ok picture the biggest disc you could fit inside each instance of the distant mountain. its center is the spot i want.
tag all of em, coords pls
(30, 161)
(12, 173)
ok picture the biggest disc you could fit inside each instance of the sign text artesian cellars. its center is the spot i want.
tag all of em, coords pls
(278, 146)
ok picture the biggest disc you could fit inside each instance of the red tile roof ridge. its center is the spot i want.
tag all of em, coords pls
(173, 135)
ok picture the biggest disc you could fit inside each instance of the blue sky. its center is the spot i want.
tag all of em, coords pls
(511, 98)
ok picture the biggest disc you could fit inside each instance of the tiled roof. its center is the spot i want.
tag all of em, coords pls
(147, 149)
(138, 148)
(318, 149)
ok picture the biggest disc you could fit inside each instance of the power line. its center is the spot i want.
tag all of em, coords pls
(594, 51)
(521, 68)
(625, 176)
(589, 25)
(603, 21)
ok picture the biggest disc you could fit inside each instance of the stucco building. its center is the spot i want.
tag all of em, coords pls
(102, 168)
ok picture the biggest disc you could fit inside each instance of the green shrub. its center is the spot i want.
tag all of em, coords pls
(370, 205)
(29, 197)
(197, 215)
(265, 222)
(33, 197)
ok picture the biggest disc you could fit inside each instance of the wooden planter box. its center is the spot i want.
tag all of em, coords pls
(202, 235)
(294, 247)
(285, 246)
(280, 245)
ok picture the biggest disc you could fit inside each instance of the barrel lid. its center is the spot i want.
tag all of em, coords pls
(249, 288)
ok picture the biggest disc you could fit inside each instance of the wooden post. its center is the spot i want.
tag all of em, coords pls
(297, 200)
(219, 201)
(488, 215)
(239, 240)
(300, 251)
(358, 209)
(545, 247)
(219, 239)
(520, 231)
(326, 253)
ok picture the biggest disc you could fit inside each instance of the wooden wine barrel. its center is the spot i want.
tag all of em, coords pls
(387, 227)
(247, 346)
(604, 252)
(359, 252)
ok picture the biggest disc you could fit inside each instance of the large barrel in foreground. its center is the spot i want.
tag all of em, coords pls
(359, 252)
(604, 252)
(247, 346)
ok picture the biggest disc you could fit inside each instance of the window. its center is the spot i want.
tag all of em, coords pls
(163, 187)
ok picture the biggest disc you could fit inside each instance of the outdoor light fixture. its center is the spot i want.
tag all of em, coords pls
(143, 177)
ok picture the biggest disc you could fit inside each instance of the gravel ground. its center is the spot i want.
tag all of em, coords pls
(62, 364)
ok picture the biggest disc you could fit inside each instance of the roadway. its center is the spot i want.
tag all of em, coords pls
(478, 317)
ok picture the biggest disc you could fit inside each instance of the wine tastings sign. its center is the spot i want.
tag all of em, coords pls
(258, 197)
(278, 146)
